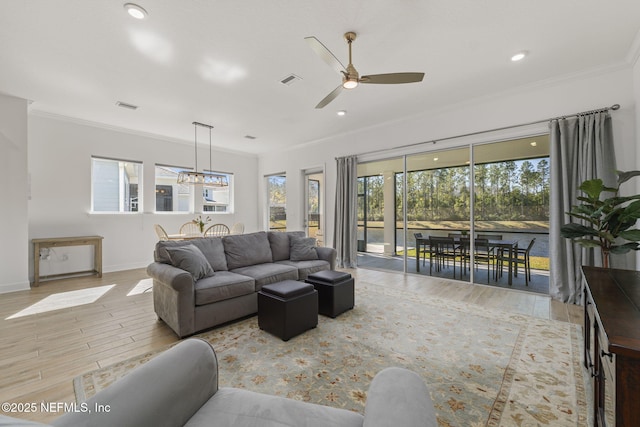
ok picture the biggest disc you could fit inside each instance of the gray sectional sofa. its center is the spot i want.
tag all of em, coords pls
(201, 283)
(179, 387)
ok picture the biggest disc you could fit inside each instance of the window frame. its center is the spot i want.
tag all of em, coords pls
(122, 163)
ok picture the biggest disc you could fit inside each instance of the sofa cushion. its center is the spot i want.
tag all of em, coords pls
(246, 249)
(240, 408)
(191, 259)
(224, 285)
(305, 268)
(280, 243)
(303, 249)
(267, 273)
(213, 250)
(211, 247)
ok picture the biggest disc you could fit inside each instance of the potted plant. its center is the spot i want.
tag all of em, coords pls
(200, 222)
(606, 223)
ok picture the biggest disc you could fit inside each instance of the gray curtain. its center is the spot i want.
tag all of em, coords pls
(346, 219)
(581, 149)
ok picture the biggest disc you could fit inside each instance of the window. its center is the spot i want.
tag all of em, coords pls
(174, 197)
(115, 185)
(171, 196)
(216, 193)
(277, 202)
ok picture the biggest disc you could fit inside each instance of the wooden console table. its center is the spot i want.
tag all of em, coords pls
(55, 242)
(612, 344)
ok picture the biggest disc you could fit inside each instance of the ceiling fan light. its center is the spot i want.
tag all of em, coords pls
(350, 84)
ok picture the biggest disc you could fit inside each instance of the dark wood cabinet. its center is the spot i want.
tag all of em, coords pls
(612, 344)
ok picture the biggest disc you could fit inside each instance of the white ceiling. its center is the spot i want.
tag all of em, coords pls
(221, 61)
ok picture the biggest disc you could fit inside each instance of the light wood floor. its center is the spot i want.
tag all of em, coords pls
(44, 345)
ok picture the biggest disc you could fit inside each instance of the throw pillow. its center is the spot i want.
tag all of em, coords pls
(303, 249)
(191, 259)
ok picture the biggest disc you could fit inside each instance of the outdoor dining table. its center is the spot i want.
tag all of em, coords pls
(508, 245)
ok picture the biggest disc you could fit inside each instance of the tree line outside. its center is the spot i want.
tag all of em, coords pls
(516, 190)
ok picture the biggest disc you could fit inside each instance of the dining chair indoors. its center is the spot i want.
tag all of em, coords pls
(237, 228)
(162, 235)
(190, 229)
(216, 230)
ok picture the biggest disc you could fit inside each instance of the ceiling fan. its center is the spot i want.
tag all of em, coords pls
(350, 77)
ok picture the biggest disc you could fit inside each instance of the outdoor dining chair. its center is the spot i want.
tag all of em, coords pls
(422, 246)
(520, 257)
(483, 252)
(441, 251)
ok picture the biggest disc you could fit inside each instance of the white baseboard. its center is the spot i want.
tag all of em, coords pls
(122, 267)
(14, 287)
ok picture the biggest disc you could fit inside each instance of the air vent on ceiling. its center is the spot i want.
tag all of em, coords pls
(125, 105)
(290, 79)
(250, 137)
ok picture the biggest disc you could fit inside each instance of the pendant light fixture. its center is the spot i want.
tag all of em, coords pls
(195, 177)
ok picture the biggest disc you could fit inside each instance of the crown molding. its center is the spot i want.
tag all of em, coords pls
(90, 123)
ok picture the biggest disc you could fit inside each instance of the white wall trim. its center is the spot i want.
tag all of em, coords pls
(75, 120)
(14, 287)
(480, 100)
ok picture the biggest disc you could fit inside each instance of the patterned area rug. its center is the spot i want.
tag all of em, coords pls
(483, 367)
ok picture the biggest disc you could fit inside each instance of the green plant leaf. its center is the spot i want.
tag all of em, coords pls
(573, 230)
(626, 176)
(633, 235)
(592, 187)
(631, 212)
(623, 249)
(588, 243)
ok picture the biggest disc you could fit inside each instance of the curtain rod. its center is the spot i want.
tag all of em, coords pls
(433, 141)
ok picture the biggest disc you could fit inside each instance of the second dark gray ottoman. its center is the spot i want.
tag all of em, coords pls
(335, 291)
(287, 308)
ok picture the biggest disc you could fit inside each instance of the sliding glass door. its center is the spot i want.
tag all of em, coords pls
(511, 206)
(380, 214)
(468, 213)
(438, 213)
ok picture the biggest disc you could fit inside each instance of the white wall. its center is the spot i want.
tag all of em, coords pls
(525, 105)
(59, 162)
(14, 269)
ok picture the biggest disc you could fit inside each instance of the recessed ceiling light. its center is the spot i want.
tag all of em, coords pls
(519, 56)
(135, 11)
(342, 113)
(533, 144)
(435, 159)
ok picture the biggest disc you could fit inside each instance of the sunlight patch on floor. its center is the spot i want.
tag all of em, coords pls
(64, 300)
(144, 285)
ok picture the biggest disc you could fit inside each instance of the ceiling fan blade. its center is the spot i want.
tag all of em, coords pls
(392, 78)
(333, 95)
(325, 54)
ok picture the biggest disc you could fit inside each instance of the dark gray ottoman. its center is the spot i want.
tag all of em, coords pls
(335, 291)
(287, 308)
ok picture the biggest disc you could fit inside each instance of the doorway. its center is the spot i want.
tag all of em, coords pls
(314, 205)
